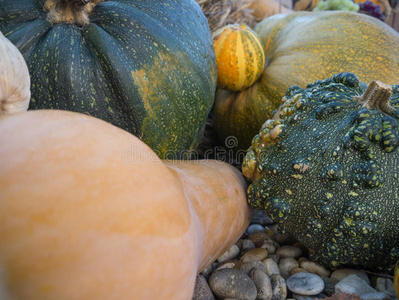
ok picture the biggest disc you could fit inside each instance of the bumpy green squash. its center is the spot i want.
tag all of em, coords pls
(303, 47)
(145, 66)
(326, 169)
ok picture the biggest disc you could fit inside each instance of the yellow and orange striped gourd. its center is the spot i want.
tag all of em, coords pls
(240, 57)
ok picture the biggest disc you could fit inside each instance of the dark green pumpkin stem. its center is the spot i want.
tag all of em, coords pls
(377, 96)
(70, 11)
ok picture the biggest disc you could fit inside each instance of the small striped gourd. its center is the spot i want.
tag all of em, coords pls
(240, 57)
(303, 47)
(145, 66)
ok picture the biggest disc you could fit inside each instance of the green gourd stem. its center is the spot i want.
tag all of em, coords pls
(377, 96)
(71, 11)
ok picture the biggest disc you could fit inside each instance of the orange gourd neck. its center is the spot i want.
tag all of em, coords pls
(211, 180)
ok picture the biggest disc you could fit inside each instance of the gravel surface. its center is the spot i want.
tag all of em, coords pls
(266, 265)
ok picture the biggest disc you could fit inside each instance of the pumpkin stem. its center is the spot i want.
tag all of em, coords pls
(377, 96)
(71, 11)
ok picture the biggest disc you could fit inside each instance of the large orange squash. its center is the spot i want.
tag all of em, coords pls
(303, 47)
(88, 211)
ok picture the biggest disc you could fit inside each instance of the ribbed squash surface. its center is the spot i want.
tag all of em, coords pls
(240, 57)
(302, 47)
(145, 66)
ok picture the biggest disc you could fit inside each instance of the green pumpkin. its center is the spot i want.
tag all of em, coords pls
(145, 66)
(303, 47)
(326, 169)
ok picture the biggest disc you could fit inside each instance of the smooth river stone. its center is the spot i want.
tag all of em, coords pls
(307, 284)
(261, 218)
(286, 265)
(279, 287)
(342, 273)
(232, 283)
(247, 244)
(271, 266)
(248, 267)
(314, 268)
(259, 238)
(289, 251)
(232, 253)
(262, 283)
(353, 284)
(202, 290)
(254, 228)
(255, 254)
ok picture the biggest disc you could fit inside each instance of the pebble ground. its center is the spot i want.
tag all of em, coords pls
(266, 265)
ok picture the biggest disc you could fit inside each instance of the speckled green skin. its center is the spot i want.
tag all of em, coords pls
(329, 174)
(145, 66)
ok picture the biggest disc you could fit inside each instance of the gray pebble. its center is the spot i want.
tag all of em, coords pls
(232, 253)
(254, 228)
(385, 285)
(232, 283)
(202, 290)
(269, 247)
(274, 257)
(353, 284)
(298, 270)
(314, 268)
(302, 297)
(261, 218)
(207, 271)
(240, 244)
(259, 238)
(262, 283)
(279, 287)
(342, 273)
(229, 264)
(329, 285)
(375, 296)
(286, 265)
(255, 254)
(247, 244)
(289, 251)
(271, 267)
(305, 284)
(248, 267)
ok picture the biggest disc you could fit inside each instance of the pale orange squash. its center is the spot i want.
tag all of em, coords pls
(88, 211)
(240, 57)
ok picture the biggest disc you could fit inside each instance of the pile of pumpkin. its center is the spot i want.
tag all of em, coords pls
(98, 199)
